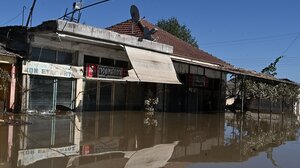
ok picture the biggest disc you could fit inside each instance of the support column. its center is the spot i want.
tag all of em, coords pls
(12, 88)
(79, 95)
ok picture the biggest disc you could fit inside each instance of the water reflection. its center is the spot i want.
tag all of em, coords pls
(122, 139)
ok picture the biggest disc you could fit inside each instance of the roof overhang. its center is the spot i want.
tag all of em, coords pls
(230, 69)
(85, 31)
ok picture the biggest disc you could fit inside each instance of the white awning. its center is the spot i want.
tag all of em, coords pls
(152, 66)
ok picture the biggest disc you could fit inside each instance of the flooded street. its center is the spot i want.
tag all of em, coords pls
(123, 139)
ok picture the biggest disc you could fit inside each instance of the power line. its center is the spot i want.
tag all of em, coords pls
(12, 19)
(250, 40)
(290, 45)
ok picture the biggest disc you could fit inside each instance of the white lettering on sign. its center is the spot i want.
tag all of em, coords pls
(108, 71)
(49, 69)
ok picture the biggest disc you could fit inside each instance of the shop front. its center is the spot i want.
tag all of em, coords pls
(202, 89)
(115, 84)
(49, 85)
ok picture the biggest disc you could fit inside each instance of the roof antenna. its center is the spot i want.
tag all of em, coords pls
(135, 16)
(30, 14)
(78, 7)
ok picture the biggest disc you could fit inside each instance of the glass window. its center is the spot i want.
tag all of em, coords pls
(48, 56)
(41, 93)
(46, 93)
(89, 96)
(64, 58)
(121, 64)
(35, 54)
(64, 93)
(107, 62)
(51, 56)
(181, 68)
(91, 59)
(41, 131)
(193, 69)
(62, 132)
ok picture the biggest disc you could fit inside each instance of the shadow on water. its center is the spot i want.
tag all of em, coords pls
(122, 139)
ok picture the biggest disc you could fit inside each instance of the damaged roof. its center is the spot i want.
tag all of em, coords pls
(7, 52)
(181, 48)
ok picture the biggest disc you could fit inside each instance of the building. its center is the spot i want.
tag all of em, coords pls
(8, 61)
(92, 69)
(201, 74)
(75, 66)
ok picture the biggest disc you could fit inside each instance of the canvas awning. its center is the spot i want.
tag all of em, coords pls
(152, 66)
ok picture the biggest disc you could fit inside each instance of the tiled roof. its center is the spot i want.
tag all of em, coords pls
(181, 48)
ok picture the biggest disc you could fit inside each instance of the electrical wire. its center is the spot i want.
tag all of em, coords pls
(12, 19)
(250, 39)
(291, 44)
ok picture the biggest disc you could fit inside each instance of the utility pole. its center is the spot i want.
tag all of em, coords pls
(30, 13)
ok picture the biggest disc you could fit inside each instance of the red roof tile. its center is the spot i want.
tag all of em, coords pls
(181, 48)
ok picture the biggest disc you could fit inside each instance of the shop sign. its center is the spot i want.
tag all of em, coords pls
(29, 156)
(49, 69)
(108, 71)
(101, 71)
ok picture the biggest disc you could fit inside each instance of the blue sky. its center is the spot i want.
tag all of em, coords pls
(245, 33)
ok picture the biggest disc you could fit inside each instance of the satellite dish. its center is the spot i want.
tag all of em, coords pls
(134, 12)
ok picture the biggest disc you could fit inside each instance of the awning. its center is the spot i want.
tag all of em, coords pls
(152, 66)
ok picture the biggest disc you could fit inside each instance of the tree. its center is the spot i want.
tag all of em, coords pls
(271, 69)
(172, 26)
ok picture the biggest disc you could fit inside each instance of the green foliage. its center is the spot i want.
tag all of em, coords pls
(262, 90)
(172, 26)
(271, 69)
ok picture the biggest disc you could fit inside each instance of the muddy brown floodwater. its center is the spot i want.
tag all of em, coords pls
(125, 139)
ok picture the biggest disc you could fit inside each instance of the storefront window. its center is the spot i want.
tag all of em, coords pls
(64, 93)
(196, 70)
(107, 62)
(51, 56)
(46, 93)
(90, 96)
(41, 93)
(181, 68)
(121, 64)
(51, 132)
(64, 58)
